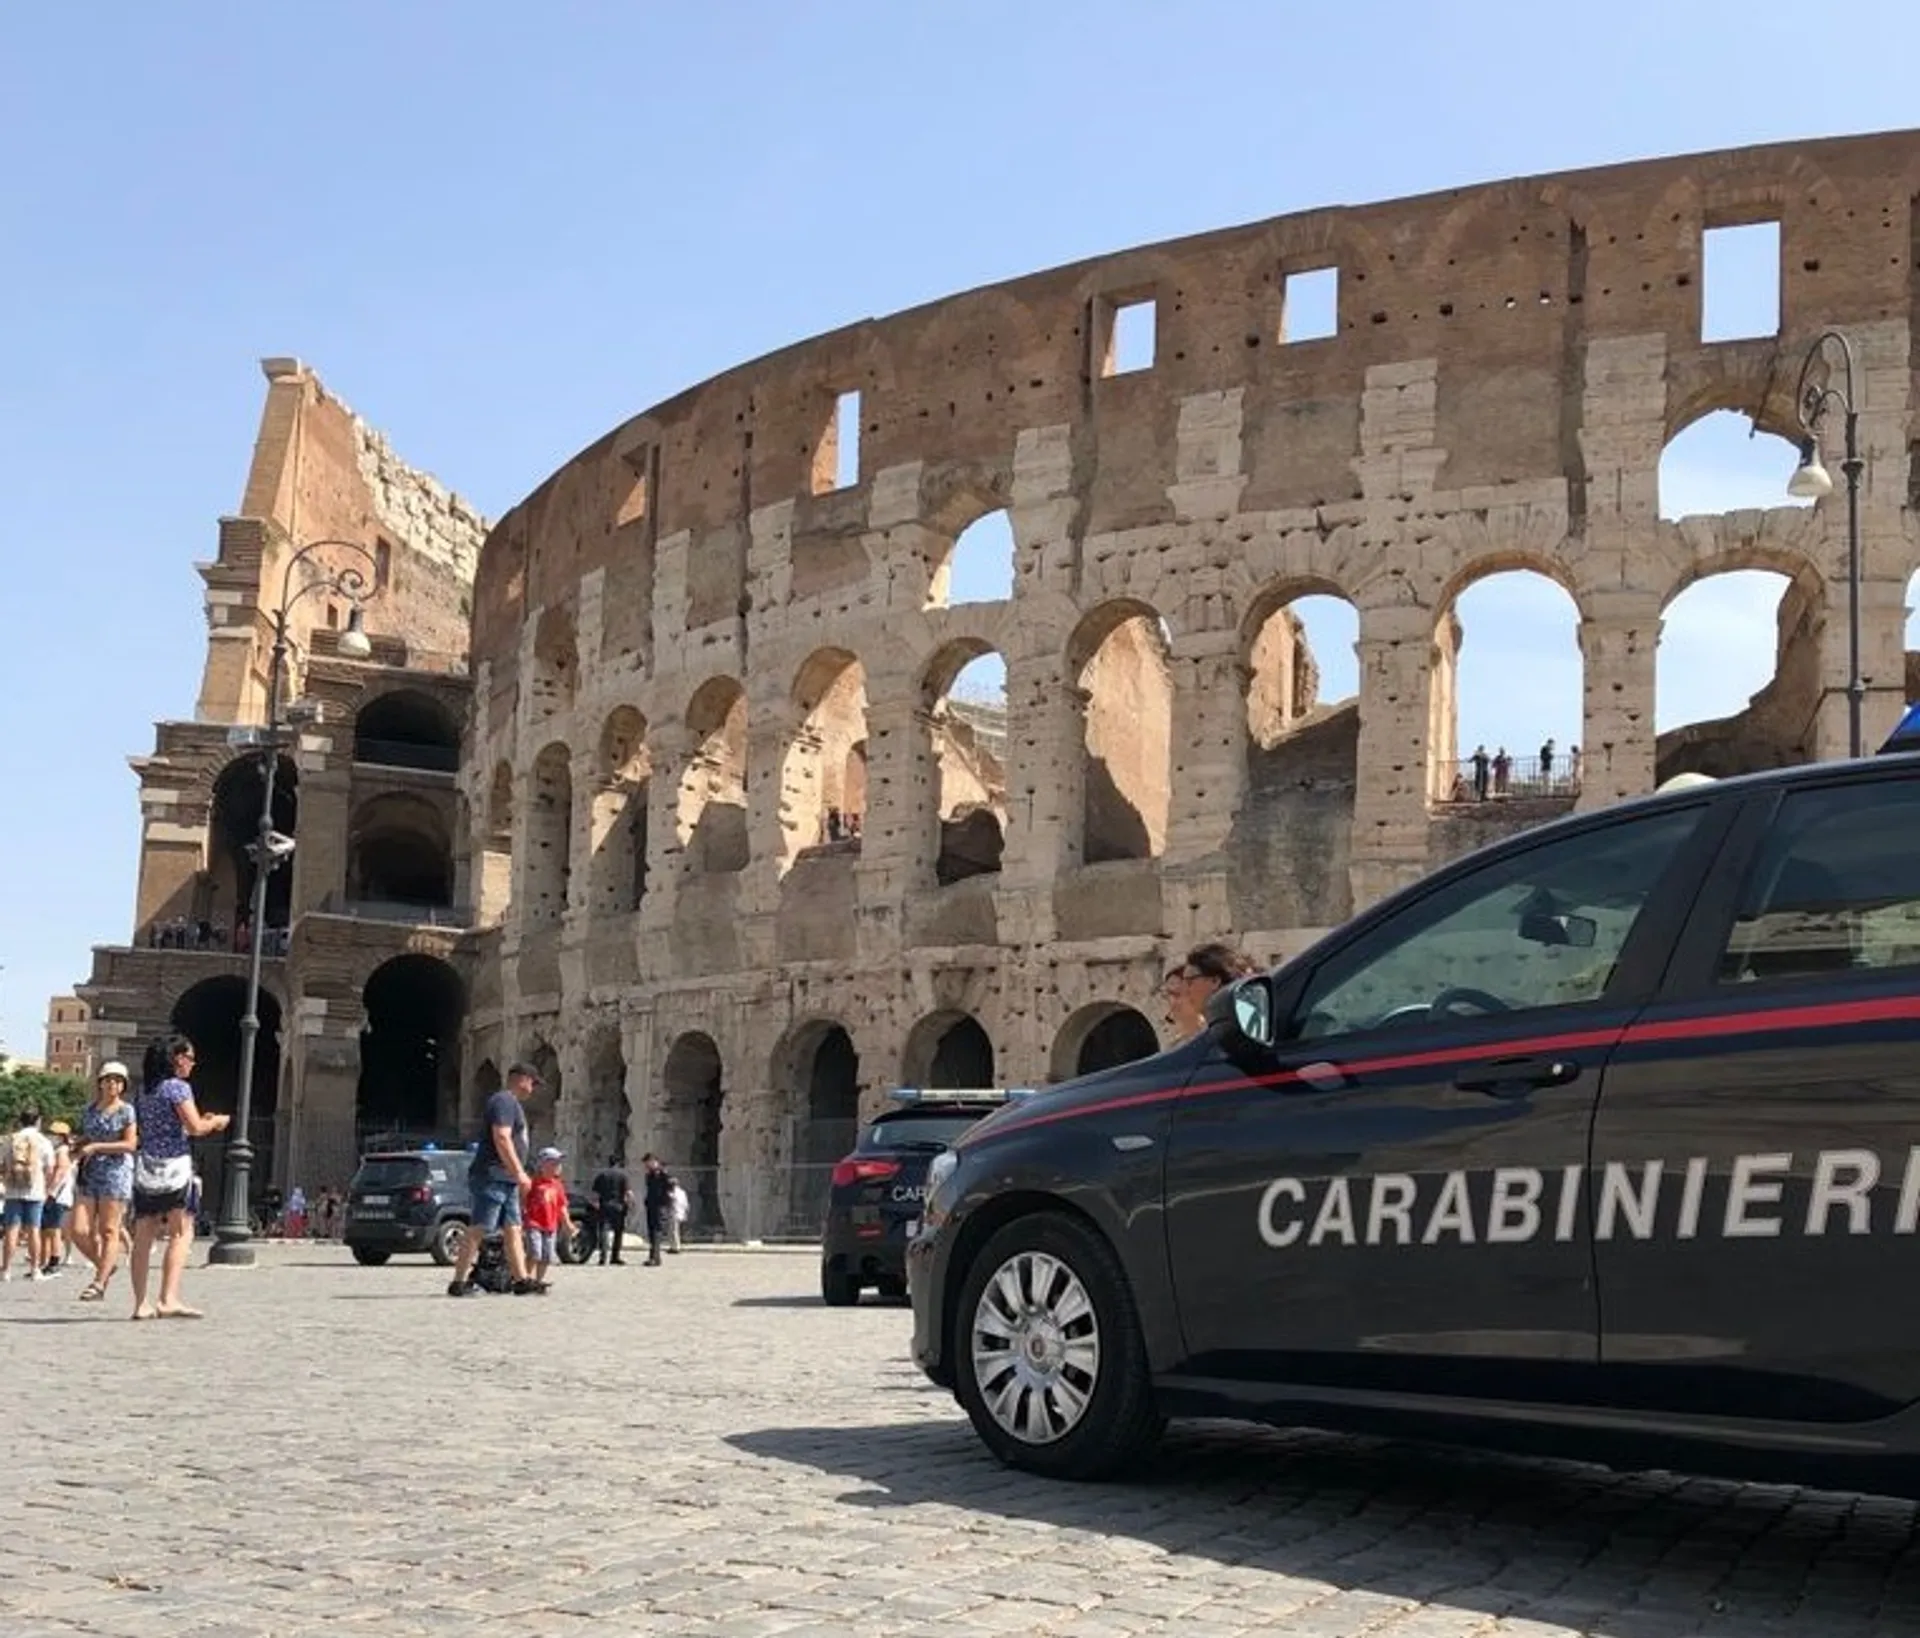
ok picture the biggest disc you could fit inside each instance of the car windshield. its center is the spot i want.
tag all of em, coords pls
(927, 1131)
(389, 1174)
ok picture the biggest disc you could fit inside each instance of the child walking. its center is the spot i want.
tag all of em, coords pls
(545, 1212)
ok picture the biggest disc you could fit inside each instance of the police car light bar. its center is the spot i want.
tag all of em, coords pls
(962, 1094)
(1906, 736)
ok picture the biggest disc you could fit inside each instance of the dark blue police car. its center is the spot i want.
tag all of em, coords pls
(1602, 1141)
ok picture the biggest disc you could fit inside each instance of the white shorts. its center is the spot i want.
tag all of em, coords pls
(540, 1245)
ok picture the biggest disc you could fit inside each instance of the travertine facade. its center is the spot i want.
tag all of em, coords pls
(363, 995)
(694, 637)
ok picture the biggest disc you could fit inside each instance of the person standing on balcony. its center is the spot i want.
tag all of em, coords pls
(1546, 763)
(1482, 771)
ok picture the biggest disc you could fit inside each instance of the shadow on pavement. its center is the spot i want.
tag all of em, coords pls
(1624, 1555)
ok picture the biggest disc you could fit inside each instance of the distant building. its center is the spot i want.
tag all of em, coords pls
(69, 1051)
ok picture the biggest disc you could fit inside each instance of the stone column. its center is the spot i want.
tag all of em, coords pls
(899, 837)
(1209, 779)
(1619, 642)
(1390, 799)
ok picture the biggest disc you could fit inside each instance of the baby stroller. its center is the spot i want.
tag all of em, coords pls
(490, 1271)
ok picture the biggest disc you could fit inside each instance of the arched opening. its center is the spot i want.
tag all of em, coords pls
(948, 1050)
(556, 664)
(549, 837)
(487, 1080)
(713, 790)
(822, 1080)
(400, 853)
(687, 1124)
(979, 567)
(604, 1123)
(225, 903)
(823, 793)
(1118, 659)
(618, 878)
(496, 848)
(543, 1108)
(1724, 462)
(965, 759)
(410, 1051)
(1103, 1035)
(1302, 663)
(1507, 692)
(209, 1015)
(1737, 675)
(407, 729)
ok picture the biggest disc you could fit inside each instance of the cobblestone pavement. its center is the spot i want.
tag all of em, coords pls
(703, 1449)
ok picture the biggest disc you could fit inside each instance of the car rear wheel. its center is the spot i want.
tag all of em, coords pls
(838, 1290)
(445, 1249)
(1051, 1364)
(370, 1256)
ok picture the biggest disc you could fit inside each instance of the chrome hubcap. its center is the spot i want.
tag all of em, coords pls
(1036, 1348)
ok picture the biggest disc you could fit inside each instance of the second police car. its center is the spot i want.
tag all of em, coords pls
(1604, 1141)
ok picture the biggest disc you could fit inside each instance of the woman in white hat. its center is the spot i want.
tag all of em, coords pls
(108, 1137)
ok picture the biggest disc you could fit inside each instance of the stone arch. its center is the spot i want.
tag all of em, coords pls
(948, 1049)
(979, 566)
(223, 898)
(409, 1084)
(556, 663)
(486, 1081)
(407, 728)
(549, 833)
(1721, 458)
(400, 851)
(1296, 634)
(617, 875)
(1118, 661)
(713, 788)
(601, 1129)
(823, 782)
(688, 1121)
(543, 1108)
(208, 1014)
(1504, 602)
(818, 1068)
(961, 760)
(1102, 1035)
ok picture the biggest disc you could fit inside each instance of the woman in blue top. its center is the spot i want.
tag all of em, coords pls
(105, 1156)
(168, 1119)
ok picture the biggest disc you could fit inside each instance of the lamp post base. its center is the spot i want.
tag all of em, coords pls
(231, 1252)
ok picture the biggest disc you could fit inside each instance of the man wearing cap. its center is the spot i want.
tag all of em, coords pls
(498, 1178)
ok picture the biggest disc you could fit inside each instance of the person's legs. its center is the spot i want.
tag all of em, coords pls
(109, 1216)
(516, 1249)
(145, 1226)
(653, 1237)
(489, 1210)
(175, 1264)
(10, 1239)
(617, 1232)
(80, 1227)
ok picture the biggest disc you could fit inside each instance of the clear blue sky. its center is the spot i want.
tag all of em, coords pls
(497, 229)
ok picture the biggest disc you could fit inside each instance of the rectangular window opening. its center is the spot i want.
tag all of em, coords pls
(1740, 282)
(846, 440)
(1130, 340)
(1310, 305)
(633, 505)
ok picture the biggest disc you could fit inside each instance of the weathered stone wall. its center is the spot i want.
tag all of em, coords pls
(1508, 365)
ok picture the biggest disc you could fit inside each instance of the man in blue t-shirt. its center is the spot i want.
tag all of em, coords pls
(498, 1178)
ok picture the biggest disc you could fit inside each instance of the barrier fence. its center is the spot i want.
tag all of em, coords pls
(1523, 776)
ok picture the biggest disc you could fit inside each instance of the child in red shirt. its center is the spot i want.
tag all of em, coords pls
(545, 1213)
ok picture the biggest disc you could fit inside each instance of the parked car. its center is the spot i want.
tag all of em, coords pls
(417, 1200)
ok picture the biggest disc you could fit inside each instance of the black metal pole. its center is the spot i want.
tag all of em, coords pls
(233, 1234)
(1856, 684)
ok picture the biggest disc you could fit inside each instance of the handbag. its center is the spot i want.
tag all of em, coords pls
(152, 1175)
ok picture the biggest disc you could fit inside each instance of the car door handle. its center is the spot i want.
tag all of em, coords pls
(1509, 1077)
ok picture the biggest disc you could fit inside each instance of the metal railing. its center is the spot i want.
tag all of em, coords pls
(1515, 776)
(398, 910)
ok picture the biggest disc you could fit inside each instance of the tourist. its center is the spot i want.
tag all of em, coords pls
(546, 1215)
(1502, 771)
(1482, 768)
(497, 1179)
(297, 1213)
(1188, 987)
(167, 1119)
(108, 1139)
(658, 1200)
(29, 1171)
(59, 1206)
(613, 1196)
(676, 1214)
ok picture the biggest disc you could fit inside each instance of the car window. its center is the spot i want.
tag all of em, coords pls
(1835, 886)
(936, 1131)
(1541, 928)
(389, 1174)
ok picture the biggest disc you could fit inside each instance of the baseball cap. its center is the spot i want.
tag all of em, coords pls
(59, 1129)
(551, 1154)
(526, 1069)
(113, 1066)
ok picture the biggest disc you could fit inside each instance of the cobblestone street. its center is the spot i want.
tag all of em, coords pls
(704, 1449)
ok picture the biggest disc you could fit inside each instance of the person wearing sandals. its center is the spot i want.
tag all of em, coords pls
(104, 1155)
(167, 1119)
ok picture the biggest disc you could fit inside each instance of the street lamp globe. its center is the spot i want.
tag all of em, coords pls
(1810, 481)
(355, 644)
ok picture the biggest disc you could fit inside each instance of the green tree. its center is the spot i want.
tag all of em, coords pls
(57, 1097)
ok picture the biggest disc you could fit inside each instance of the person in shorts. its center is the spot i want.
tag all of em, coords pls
(546, 1214)
(104, 1190)
(167, 1119)
(59, 1206)
(28, 1167)
(497, 1179)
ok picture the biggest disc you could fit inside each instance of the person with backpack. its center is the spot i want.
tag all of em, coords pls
(29, 1168)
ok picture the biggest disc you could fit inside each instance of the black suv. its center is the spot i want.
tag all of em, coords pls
(417, 1200)
(874, 1203)
(1604, 1140)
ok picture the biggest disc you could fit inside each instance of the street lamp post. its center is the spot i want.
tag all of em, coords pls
(233, 1233)
(1811, 481)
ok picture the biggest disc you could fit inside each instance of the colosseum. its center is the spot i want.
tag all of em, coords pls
(740, 851)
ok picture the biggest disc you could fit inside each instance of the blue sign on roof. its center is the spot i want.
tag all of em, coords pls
(1906, 737)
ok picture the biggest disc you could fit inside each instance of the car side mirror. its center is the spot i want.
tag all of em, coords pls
(1577, 932)
(1248, 1007)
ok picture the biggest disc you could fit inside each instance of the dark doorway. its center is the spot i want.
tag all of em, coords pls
(235, 825)
(209, 1016)
(963, 1056)
(1122, 1037)
(687, 1134)
(410, 1051)
(407, 729)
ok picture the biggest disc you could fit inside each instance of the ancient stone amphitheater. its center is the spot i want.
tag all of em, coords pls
(743, 863)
